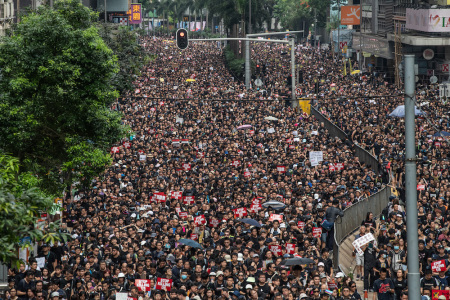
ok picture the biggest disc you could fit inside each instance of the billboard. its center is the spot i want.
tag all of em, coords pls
(135, 13)
(428, 20)
(350, 15)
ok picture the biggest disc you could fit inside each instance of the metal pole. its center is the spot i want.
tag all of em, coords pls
(411, 181)
(242, 39)
(105, 11)
(293, 103)
(249, 16)
(247, 65)
(339, 28)
(315, 26)
(360, 35)
(274, 33)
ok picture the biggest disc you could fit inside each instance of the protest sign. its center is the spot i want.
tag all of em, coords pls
(317, 232)
(163, 284)
(143, 284)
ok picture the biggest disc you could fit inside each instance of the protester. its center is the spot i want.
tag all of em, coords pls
(200, 156)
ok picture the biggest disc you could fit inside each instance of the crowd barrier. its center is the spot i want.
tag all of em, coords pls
(3, 276)
(376, 203)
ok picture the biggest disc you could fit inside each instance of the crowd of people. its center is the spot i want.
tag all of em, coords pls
(203, 154)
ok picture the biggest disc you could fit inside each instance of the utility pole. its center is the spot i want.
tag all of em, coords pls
(247, 51)
(339, 28)
(105, 11)
(411, 181)
(292, 44)
(249, 16)
(315, 27)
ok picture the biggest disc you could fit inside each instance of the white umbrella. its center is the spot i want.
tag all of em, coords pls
(270, 119)
(400, 112)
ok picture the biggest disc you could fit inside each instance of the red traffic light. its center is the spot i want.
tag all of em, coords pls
(182, 39)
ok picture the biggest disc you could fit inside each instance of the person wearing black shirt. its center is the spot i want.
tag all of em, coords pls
(25, 284)
(383, 287)
(428, 282)
(400, 284)
(263, 287)
(369, 263)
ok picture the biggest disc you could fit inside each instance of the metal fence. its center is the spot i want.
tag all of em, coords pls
(375, 203)
(367, 158)
(332, 129)
(3, 273)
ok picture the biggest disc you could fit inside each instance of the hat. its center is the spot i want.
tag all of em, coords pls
(121, 275)
(303, 295)
(255, 255)
(340, 275)
(321, 264)
(219, 273)
(248, 286)
(212, 274)
(283, 225)
(240, 257)
(54, 294)
(228, 258)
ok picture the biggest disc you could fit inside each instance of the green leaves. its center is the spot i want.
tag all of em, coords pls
(57, 85)
(20, 202)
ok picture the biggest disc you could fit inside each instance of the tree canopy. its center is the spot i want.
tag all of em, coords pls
(57, 88)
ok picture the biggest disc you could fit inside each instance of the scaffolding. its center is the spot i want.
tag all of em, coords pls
(398, 52)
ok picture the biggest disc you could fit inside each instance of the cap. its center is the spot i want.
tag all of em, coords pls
(340, 275)
(212, 274)
(248, 286)
(321, 264)
(219, 273)
(303, 295)
(54, 294)
(121, 275)
(228, 258)
(255, 255)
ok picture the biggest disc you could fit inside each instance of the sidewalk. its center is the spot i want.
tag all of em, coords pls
(347, 263)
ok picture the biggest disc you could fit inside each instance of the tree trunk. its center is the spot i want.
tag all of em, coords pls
(235, 44)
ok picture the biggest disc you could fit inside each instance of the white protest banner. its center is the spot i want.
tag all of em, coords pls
(360, 242)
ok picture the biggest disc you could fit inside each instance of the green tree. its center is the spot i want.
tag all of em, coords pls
(292, 13)
(56, 85)
(130, 55)
(20, 203)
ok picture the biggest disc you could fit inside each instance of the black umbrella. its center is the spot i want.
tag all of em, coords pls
(296, 261)
(274, 204)
(249, 221)
(190, 243)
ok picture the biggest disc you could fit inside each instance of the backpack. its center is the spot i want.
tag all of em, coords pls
(396, 262)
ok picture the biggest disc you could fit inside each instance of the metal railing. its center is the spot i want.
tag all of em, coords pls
(3, 273)
(343, 227)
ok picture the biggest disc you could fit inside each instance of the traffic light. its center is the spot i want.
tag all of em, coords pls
(257, 69)
(182, 39)
(300, 76)
(289, 80)
(316, 88)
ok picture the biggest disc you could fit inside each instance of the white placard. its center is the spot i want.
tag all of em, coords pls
(316, 154)
(314, 161)
(40, 262)
(271, 130)
(142, 157)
